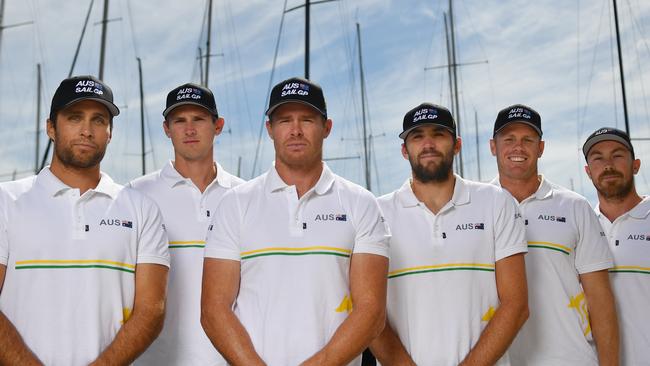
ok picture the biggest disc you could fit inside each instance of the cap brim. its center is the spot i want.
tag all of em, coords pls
(604, 137)
(112, 108)
(539, 132)
(407, 131)
(176, 105)
(275, 106)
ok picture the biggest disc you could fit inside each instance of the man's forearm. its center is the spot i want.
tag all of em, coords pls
(389, 350)
(510, 274)
(137, 333)
(351, 338)
(368, 276)
(13, 350)
(497, 335)
(602, 316)
(229, 336)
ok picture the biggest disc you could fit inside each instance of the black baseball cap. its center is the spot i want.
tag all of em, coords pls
(193, 94)
(607, 134)
(78, 88)
(518, 113)
(297, 90)
(427, 114)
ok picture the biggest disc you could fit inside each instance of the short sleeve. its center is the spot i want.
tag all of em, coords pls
(152, 238)
(223, 237)
(509, 230)
(592, 250)
(4, 242)
(372, 233)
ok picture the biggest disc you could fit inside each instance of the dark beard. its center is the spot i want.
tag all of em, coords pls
(615, 191)
(68, 158)
(439, 173)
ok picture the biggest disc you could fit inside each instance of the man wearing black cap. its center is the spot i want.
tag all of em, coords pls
(293, 249)
(625, 217)
(187, 190)
(569, 296)
(83, 259)
(456, 283)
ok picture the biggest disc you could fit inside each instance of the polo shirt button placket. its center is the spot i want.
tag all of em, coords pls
(78, 230)
(295, 227)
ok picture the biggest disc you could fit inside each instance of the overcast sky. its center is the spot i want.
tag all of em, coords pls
(558, 57)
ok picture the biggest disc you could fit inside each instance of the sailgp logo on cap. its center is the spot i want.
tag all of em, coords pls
(519, 113)
(294, 89)
(89, 86)
(601, 131)
(425, 113)
(189, 93)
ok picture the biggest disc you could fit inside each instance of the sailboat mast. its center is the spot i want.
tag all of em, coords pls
(102, 51)
(144, 168)
(2, 15)
(307, 6)
(455, 74)
(620, 67)
(363, 111)
(478, 153)
(38, 116)
(207, 44)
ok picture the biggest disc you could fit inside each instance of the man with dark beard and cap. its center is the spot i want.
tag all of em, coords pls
(456, 283)
(625, 217)
(84, 260)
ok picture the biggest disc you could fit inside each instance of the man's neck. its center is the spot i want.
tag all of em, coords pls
(304, 177)
(613, 208)
(520, 189)
(200, 172)
(80, 178)
(434, 195)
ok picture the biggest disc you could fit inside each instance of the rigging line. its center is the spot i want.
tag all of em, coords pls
(374, 162)
(351, 102)
(639, 27)
(638, 63)
(578, 70)
(485, 55)
(199, 61)
(275, 58)
(593, 67)
(613, 67)
(39, 44)
(134, 42)
(241, 72)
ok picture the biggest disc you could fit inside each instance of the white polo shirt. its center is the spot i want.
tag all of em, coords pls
(441, 284)
(565, 240)
(187, 213)
(629, 240)
(71, 262)
(295, 258)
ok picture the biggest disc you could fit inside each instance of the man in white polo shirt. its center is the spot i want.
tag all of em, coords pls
(569, 295)
(457, 284)
(625, 217)
(294, 250)
(187, 190)
(83, 259)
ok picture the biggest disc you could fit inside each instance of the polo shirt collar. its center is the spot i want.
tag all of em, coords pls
(174, 178)
(274, 182)
(461, 195)
(54, 186)
(640, 211)
(544, 190)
